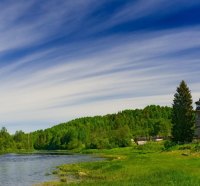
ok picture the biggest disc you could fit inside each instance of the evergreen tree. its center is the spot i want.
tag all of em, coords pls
(183, 119)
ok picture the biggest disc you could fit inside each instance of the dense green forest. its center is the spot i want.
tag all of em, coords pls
(109, 131)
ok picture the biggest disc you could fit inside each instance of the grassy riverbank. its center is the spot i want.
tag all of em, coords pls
(141, 165)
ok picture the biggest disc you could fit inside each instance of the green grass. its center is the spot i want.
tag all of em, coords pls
(146, 165)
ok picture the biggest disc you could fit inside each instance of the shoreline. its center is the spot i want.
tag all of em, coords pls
(148, 164)
(139, 165)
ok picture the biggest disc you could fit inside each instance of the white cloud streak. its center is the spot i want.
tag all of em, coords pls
(104, 75)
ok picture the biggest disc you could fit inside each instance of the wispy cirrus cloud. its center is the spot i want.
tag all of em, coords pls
(64, 59)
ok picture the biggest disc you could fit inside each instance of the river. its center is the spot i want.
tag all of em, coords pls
(26, 170)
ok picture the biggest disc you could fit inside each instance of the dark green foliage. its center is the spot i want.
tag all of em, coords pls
(22, 140)
(18, 141)
(183, 119)
(109, 131)
(169, 144)
(122, 136)
(6, 141)
(197, 148)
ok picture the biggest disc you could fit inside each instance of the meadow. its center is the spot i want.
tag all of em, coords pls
(149, 164)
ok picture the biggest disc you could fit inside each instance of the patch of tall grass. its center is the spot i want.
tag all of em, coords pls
(146, 165)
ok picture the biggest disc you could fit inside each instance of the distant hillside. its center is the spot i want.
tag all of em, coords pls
(112, 130)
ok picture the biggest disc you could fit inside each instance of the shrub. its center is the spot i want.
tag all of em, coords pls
(169, 144)
(196, 148)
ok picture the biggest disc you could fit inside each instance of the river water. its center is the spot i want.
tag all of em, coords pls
(26, 170)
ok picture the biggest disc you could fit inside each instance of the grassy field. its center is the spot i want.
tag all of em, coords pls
(140, 165)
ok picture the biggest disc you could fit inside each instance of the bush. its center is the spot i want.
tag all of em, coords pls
(75, 143)
(99, 143)
(169, 144)
(196, 148)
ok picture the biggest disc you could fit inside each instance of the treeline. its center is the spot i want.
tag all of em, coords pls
(109, 131)
(18, 141)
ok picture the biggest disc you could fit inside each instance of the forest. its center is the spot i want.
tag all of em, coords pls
(98, 132)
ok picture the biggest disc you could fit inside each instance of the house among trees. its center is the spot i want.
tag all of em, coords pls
(197, 127)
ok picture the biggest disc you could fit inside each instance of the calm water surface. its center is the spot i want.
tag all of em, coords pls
(26, 170)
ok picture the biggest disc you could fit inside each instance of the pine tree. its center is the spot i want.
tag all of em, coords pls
(183, 119)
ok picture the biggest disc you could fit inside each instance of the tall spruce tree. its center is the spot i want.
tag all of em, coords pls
(183, 119)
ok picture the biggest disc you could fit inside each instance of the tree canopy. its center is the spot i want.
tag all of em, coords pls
(112, 130)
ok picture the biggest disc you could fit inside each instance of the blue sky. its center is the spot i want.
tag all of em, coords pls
(60, 59)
